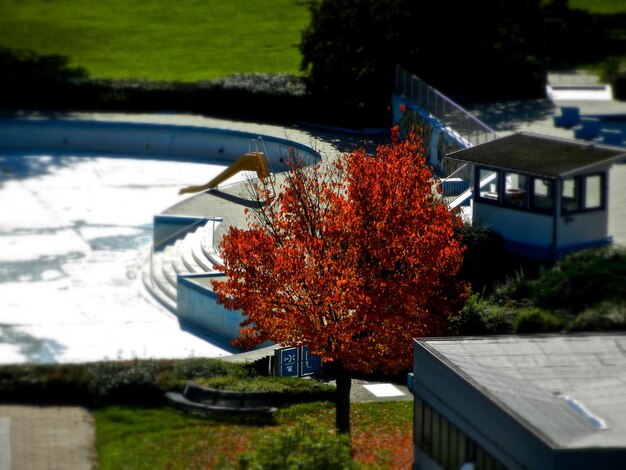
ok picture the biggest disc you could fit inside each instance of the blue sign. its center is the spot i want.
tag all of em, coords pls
(296, 362)
(310, 363)
(288, 362)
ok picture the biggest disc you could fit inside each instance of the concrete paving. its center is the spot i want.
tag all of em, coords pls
(46, 438)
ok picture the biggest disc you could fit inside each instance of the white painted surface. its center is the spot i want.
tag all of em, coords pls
(383, 390)
(516, 225)
(74, 232)
(579, 92)
(583, 227)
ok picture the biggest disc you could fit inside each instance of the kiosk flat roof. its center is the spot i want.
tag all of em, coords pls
(540, 155)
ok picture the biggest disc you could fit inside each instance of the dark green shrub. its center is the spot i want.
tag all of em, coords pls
(614, 73)
(306, 446)
(139, 382)
(480, 317)
(350, 50)
(42, 82)
(284, 390)
(536, 320)
(514, 290)
(200, 367)
(605, 316)
(583, 279)
(133, 383)
(64, 384)
(485, 261)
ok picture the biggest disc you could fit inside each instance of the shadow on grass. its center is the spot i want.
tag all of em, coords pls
(574, 37)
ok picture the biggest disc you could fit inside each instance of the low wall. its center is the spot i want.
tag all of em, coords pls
(168, 228)
(182, 143)
(198, 304)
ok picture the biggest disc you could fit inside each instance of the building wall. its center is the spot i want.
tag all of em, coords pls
(531, 234)
(499, 436)
(516, 225)
(583, 228)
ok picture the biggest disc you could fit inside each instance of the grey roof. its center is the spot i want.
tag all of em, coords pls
(539, 155)
(529, 376)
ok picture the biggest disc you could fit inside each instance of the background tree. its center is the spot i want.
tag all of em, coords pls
(493, 49)
(354, 258)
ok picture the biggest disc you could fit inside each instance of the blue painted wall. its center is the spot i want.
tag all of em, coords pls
(439, 139)
(198, 305)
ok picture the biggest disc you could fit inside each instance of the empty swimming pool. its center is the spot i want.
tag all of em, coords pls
(74, 231)
(76, 228)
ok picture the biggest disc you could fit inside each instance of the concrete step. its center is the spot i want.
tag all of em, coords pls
(170, 253)
(158, 277)
(198, 254)
(208, 248)
(187, 258)
(153, 289)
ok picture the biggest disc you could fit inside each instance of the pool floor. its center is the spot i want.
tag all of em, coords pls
(74, 234)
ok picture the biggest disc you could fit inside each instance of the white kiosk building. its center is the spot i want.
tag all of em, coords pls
(545, 196)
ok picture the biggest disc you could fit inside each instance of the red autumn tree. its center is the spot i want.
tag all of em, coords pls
(353, 257)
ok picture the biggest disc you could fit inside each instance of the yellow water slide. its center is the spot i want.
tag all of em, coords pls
(253, 161)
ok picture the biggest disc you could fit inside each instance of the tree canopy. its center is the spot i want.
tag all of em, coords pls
(489, 50)
(353, 257)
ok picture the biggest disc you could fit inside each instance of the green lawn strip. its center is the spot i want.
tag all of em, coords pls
(168, 438)
(282, 385)
(140, 438)
(157, 438)
(599, 6)
(188, 40)
(382, 433)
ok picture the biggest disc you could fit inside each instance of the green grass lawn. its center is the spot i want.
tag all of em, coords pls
(599, 6)
(138, 438)
(186, 40)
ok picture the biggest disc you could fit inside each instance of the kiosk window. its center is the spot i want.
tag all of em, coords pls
(542, 194)
(488, 181)
(593, 192)
(584, 193)
(515, 189)
(570, 195)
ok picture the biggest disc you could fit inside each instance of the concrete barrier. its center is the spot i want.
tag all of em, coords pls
(183, 143)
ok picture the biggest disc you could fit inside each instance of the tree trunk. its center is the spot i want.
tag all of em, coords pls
(344, 382)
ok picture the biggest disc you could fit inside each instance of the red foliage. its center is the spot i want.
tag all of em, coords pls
(354, 257)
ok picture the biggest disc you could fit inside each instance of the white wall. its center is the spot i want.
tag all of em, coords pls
(583, 228)
(515, 225)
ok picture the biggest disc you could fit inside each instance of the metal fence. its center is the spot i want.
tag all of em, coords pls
(443, 108)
